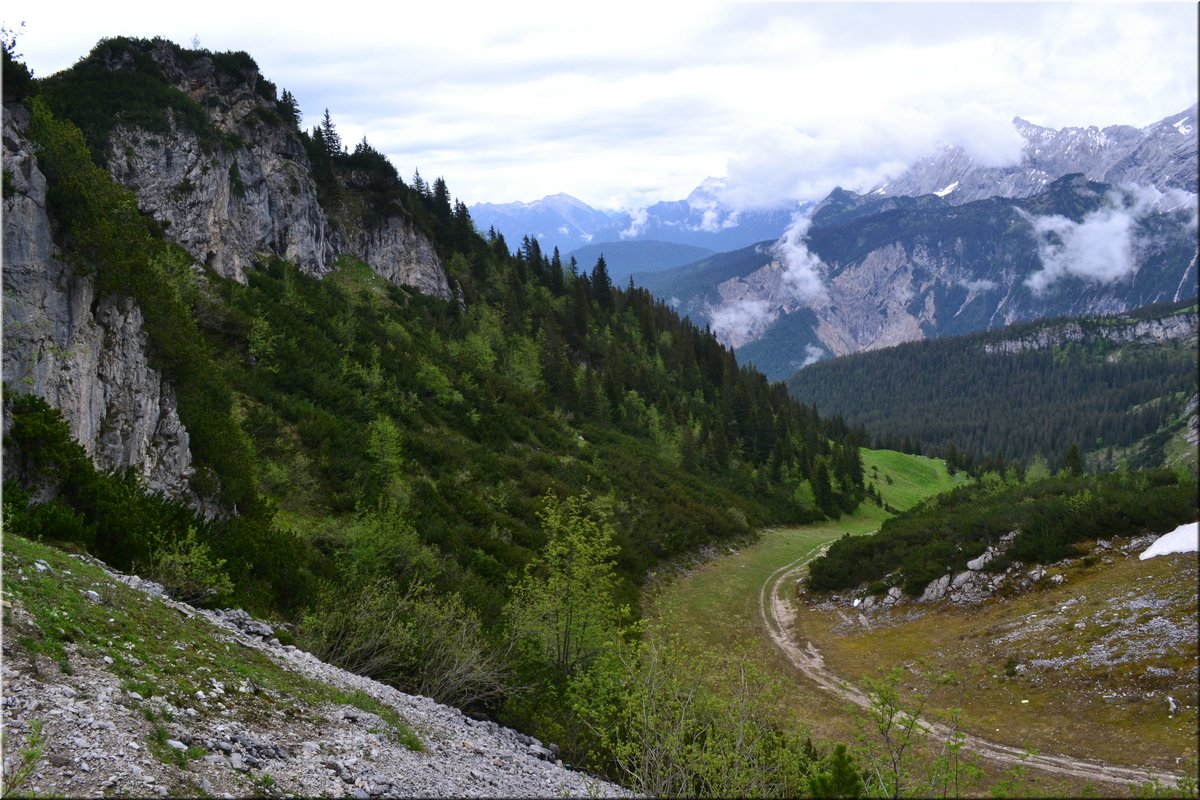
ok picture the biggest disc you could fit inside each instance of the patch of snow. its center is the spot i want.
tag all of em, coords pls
(1184, 539)
(947, 190)
(1182, 126)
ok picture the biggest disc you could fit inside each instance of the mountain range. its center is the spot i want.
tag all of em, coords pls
(699, 220)
(983, 248)
(1162, 154)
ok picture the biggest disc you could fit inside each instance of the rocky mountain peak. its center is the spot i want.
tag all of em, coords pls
(1156, 155)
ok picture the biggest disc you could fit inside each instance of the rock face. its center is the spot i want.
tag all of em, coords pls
(1171, 328)
(239, 192)
(253, 195)
(395, 250)
(86, 356)
(1162, 154)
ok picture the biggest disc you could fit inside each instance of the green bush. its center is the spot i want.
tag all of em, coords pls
(410, 638)
(187, 570)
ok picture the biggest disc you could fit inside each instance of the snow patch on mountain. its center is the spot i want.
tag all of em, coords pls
(946, 190)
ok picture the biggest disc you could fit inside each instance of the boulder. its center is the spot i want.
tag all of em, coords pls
(935, 590)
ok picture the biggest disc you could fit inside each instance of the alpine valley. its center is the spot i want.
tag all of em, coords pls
(318, 482)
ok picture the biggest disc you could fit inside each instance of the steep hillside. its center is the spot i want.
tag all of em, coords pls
(216, 157)
(258, 366)
(113, 689)
(1103, 383)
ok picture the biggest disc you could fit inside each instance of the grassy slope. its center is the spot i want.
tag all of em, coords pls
(1117, 712)
(716, 604)
(912, 478)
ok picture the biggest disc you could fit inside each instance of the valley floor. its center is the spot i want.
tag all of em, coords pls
(1087, 687)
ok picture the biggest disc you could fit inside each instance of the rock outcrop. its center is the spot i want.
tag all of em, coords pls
(1168, 328)
(240, 189)
(85, 355)
(253, 195)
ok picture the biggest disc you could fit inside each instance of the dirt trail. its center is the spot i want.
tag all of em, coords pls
(779, 620)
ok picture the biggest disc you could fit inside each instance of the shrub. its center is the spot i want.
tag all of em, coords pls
(409, 638)
(187, 570)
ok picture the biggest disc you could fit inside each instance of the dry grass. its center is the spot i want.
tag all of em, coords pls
(1033, 678)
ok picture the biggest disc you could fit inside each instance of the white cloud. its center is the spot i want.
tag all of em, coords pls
(802, 267)
(1101, 248)
(787, 100)
(980, 285)
(741, 321)
(986, 135)
(812, 354)
(637, 224)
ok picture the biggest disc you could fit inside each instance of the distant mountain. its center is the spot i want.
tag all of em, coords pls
(1121, 387)
(700, 220)
(625, 258)
(870, 271)
(1162, 154)
(557, 220)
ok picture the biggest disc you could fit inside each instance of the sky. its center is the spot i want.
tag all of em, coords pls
(622, 104)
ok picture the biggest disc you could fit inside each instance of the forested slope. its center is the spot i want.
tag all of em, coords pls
(1028, 390)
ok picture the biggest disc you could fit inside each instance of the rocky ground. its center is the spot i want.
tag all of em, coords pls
(235, 737)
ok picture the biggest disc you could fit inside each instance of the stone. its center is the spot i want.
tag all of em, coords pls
(976, 564)
(935, 590)
(175, 744)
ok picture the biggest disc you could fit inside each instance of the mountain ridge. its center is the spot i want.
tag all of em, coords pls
(1161, 154)
(876, 271)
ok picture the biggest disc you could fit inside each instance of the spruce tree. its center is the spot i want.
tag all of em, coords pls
(329, 135)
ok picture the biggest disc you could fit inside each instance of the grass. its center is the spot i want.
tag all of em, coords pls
(717, 603)
(1116, 712)
(155, 650)
(905, 480)
(714, 606)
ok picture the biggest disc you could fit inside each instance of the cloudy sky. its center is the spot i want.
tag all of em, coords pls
(625, 103)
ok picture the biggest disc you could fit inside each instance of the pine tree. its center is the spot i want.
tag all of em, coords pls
(1073, 461)
(602, 284)
(329, 135)
(290, 108)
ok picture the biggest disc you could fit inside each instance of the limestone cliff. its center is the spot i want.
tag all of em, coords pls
(228, 178)
(251, 192)
(85, 355)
